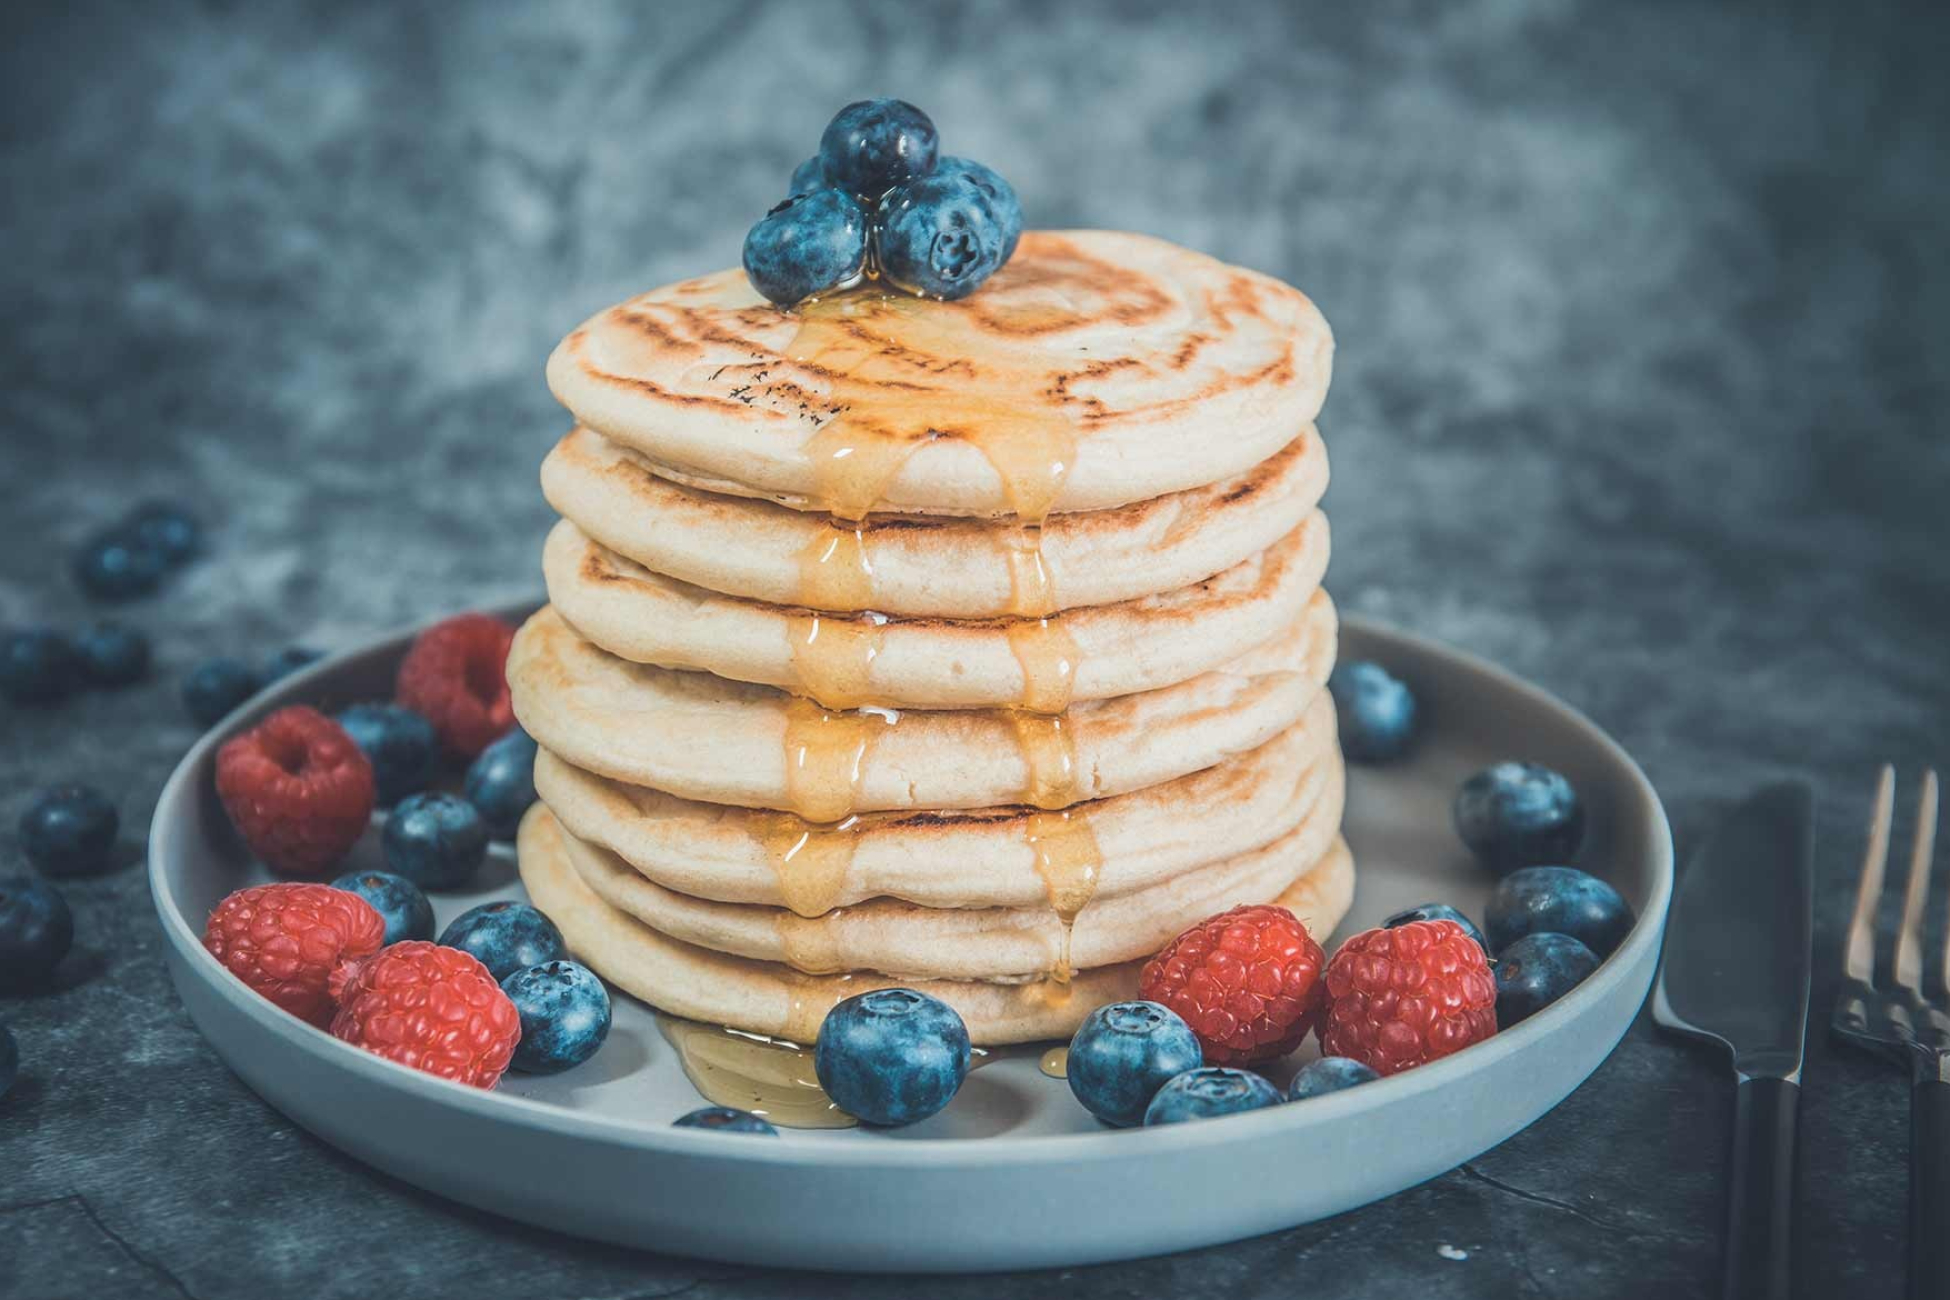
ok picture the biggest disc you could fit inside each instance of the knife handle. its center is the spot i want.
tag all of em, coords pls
(1929, 1187)
(1760, 1209)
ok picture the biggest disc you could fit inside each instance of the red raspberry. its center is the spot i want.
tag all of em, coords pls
(1247, 982)
(433, 1008)
(286, 941)
(299, 789)
(1403, 997)
(456, 675)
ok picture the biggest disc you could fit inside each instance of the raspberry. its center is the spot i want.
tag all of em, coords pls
(1403, 997)
(287, 940)
(1247, 982)
(456, 676)
(299, 789)
(432, 1008)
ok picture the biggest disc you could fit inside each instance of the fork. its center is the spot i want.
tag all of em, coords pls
(1907, 1023)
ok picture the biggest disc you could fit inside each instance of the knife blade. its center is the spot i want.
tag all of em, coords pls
(1739, 935)
(1735, 971)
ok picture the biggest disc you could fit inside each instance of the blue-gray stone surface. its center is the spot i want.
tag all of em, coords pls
(1643, 317)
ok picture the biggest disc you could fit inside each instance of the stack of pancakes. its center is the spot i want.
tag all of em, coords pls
(976, 647)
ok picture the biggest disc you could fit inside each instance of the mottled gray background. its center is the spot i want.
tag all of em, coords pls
(1641, 392)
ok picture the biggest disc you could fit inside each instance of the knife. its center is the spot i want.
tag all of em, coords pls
(1738, 948)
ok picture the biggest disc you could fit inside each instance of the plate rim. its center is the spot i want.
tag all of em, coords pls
(793, 1147)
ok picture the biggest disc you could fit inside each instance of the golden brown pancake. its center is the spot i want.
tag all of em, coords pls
(1096, 368)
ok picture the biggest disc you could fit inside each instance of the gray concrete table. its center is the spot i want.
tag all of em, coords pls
(1641, 392)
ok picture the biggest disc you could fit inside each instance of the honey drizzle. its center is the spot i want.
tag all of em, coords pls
(1055, 1063)
(880, 406)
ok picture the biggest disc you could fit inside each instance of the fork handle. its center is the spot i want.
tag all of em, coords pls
(1929, 1187)
(1760, 1208)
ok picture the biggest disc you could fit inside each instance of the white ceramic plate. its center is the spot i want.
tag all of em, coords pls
(1014, 1174)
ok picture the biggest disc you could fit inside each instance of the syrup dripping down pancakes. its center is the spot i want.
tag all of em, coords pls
(978, 646)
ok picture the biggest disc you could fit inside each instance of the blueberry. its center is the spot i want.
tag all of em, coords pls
(437, 841)
(215, 687)
(38, 666)
(69, 829)
(288, 661)
(564, 1015)
(892, 1056)
(167, 528)
(1212, 1090)
(940, 237)
(115, 564)
(399, 902)
(872, 145)
(506, 937)
(809, 244)
(1536, 971)
(400, 744)
(808, 176)
(725, 1120)
(1377, 712)
(1328, 1074)
(9, 1060)
(112, 654)
(1124, 1053)
(36, 930)
(1001, 196)
(1561, 900)
(1519, 815)
(501, 782)
(1439, 912)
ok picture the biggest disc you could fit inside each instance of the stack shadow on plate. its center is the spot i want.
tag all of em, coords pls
(974, 647)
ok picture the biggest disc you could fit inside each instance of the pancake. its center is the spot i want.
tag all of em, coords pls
(902, 939)
(704, 737)
(1095, 369)
(846, 662)
(972, 858)
(930, 566)
(768, 998)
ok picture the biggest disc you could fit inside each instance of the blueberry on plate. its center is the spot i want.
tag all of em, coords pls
(288, 661)
(808, 176)
(1536, 971)
(400, 744)
(809, 244)
(725, 1120)
(69, 829)
(437, 841)
(1328, 1074)
(115, 564)
(112, 654)
(872, 145)
(38, 666)
(36, 931)
(1000, 194)
(1376, 709)
(506, 937)
(1123, 1053)
(564, 1015)
(891, 1056)
(1209, 1091)
(167, 528)
(1558, 900)
(9, 1060)
(940, 236)
(1519, 815)
(501, 782)
(216, 686)
(1438, 912)
(401, 904)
